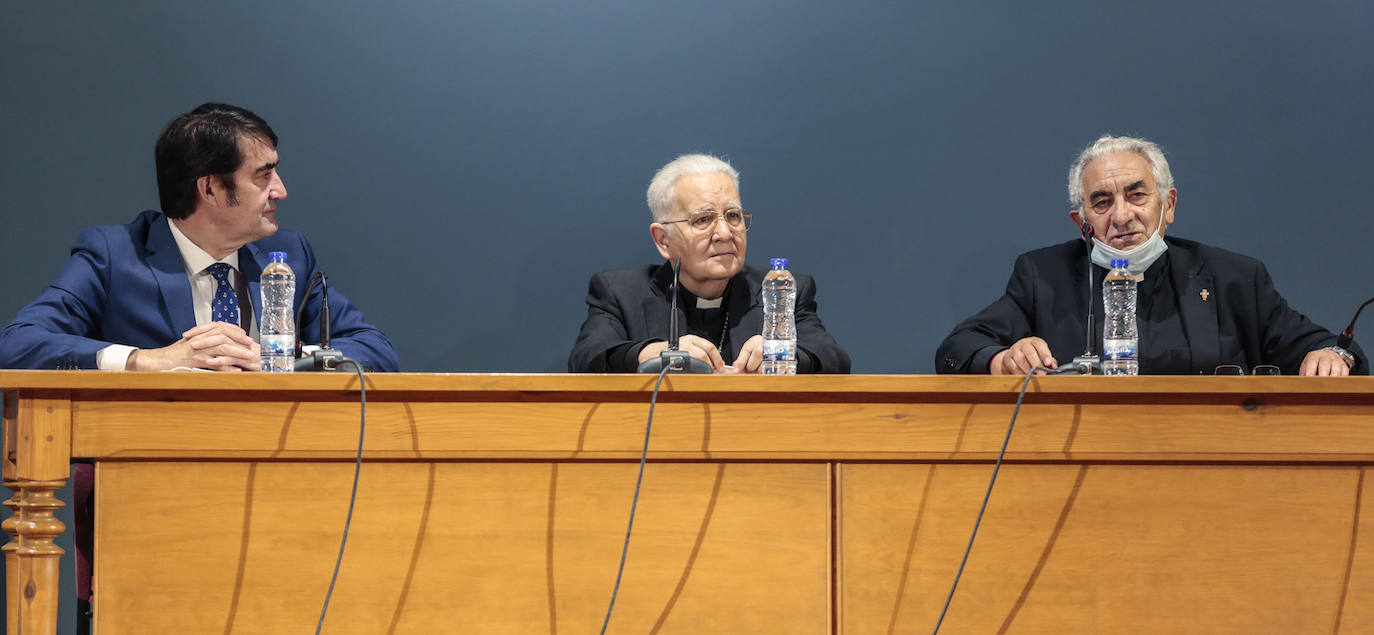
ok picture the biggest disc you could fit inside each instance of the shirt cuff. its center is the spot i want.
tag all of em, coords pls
(113, 357)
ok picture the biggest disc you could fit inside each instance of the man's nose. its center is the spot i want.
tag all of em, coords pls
(722, 229)
(278, 188)
(1122, 215)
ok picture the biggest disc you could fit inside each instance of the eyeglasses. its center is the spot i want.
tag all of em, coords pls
(704, 221)
(1236, 369)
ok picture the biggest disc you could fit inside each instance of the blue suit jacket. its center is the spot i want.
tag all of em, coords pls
(127, 284)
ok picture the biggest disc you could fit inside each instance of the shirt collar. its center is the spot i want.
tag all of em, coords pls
(195, 258)
(691, 301)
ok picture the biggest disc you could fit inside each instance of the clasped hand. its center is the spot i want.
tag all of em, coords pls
(749, 361)
(218, 346)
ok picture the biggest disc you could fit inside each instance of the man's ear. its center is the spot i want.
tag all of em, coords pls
(1078, 219)
(1170, 203)
(660, 236)
(206, 189)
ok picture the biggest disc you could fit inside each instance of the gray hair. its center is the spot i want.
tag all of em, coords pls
(1109, 145)
(663, 187)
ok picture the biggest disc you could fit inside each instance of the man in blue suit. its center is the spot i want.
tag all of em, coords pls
(180, 288)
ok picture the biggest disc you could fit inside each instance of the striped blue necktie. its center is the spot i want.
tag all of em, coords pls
(225, 306)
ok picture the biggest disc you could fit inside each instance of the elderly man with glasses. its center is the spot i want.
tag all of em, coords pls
(698, 218)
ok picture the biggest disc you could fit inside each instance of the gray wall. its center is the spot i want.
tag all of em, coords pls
(496, 154)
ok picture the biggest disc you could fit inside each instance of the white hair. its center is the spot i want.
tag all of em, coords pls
(1107, 145)
(663, 187)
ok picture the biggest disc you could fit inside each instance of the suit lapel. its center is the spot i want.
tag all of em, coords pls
(1197, 306)
(744, 295)
(170, 272)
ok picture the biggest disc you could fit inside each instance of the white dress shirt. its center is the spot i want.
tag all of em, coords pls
(203, 285)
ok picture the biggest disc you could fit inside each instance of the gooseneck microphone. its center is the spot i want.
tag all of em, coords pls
(326, 358)
(300, 310)
(1086, 363)
(1348, 335)
(676, 361)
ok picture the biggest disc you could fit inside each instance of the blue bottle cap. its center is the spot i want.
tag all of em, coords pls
(277, 256)
(778, 263)
(1120, 263)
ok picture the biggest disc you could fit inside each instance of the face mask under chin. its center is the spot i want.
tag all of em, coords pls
(1140, 257)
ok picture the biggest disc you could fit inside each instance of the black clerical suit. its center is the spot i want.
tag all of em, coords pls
(1199, 307)
(628, 309)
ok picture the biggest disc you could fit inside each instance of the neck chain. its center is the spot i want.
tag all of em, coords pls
(725, 325)
(724, 331)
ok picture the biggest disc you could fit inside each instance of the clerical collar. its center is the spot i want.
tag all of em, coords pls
(690, 299)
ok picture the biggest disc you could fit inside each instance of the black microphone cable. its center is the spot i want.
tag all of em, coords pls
(643, 455)
(995, 469)
(353, 497)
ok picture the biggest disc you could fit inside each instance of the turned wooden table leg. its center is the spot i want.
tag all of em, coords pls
(36, 462)
(11, 526)
(37, 557)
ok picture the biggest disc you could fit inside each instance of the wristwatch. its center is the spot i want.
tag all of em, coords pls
(1345, 355)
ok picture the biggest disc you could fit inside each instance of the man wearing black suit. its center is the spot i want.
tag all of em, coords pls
(1199, 307)
(698, 218)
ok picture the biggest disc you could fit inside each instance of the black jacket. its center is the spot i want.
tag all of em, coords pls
(1200, 307)
(627, 308)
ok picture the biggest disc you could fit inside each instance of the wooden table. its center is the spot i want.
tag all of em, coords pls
(498, 503)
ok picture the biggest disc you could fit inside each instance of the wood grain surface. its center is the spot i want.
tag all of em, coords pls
(230, 547)
(498, 503)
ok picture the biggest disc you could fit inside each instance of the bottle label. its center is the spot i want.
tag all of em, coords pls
(779, 350)
(278, 345)
(1118, 349)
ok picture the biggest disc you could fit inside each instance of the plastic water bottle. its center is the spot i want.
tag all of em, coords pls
(278, 328)
(779, 320)
(1120, 343)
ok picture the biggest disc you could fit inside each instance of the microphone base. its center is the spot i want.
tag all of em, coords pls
(325, 359)
(677, 362)
(1083, 365)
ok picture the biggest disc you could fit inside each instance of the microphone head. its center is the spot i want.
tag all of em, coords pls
(1347, 336)
(1087, 230)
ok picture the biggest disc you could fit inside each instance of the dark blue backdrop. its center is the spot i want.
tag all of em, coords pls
(462, 168)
